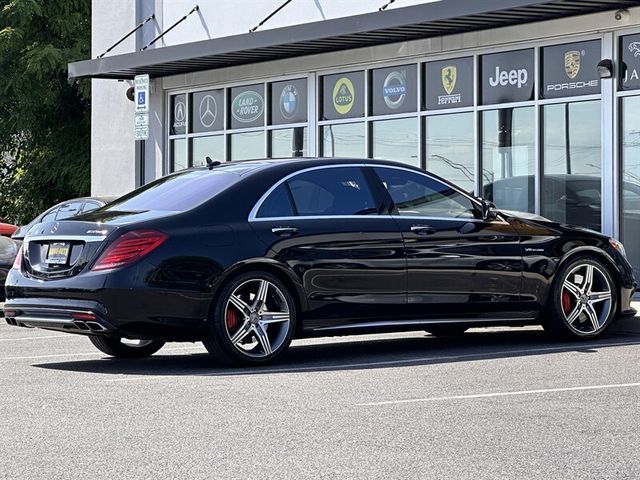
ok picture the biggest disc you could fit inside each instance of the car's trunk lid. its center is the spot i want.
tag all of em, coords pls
(64, 248)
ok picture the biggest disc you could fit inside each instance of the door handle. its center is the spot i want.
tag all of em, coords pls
(284, 231)
(422, 229)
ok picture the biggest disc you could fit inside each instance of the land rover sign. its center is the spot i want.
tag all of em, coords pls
(247, 106)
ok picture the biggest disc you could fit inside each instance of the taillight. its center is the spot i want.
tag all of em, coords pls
(129, 248)
(17, 263)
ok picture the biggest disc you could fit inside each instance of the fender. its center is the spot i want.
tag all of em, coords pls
(595, 251)
(268, 265)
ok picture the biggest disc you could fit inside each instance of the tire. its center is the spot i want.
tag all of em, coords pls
(252, 321)
(116, 348)
(446, 330)
(579, 308)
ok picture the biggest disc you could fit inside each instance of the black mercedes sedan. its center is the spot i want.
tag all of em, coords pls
(245, 256)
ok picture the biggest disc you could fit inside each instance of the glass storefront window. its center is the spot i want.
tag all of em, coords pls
(289, 142)
(178, 154)
(449, 148)
(396, 140)
(247, 145)
(344, 140)
(203, 147)
(572, 164)
(630, 194)
(508, 157)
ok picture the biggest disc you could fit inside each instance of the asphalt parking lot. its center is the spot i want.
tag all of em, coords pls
(492, 404)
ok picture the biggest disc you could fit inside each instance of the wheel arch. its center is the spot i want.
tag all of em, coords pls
(594, 252)
(282, 273)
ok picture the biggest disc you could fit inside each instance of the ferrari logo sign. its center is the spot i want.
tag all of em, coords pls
(449, 75)
(572, 63)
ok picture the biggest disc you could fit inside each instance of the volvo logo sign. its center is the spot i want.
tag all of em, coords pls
(394, 89)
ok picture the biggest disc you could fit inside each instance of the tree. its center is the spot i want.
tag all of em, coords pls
(44, 120)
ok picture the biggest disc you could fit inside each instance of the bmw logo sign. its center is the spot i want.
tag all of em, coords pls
(289, 101)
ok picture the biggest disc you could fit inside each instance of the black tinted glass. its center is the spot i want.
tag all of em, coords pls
(332, 191)
(418, 195)
(180, 192)
(88, 206)
(68, 210)
(49, 217)
(277, 204)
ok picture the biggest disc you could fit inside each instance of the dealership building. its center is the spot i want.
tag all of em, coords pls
(532, 104)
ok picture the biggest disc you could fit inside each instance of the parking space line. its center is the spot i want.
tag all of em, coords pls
(86, 354)
(34, 338)
(499, 394)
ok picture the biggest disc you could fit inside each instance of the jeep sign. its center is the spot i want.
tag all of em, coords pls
(507, 77)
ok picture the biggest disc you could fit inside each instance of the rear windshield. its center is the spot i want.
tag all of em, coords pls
(179, 192)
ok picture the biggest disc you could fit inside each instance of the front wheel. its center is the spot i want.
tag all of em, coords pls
(253, 320)
(123, 348)
(583, 300)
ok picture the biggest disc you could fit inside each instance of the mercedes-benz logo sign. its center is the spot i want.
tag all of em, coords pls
(208, 111)
(179, 112)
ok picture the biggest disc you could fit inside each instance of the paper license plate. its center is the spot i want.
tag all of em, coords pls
(58, 253)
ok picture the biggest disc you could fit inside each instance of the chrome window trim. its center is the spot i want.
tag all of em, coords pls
(252, 215)
(64, 238)
(385, 216)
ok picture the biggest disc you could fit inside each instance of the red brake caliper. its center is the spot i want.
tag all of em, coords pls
(566, 302)
(232, 319)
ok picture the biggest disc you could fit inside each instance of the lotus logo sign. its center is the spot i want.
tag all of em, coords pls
(247, 107)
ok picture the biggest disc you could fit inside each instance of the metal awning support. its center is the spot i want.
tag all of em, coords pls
(384, 7)
(269, 16)
(427, 20)
(138, 27)
(194, 9)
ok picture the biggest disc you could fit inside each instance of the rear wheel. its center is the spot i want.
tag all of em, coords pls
(583, 300)
(124, 348)
(446, 330)
(253, 320)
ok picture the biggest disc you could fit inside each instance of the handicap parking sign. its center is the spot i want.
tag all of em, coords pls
(141, 89)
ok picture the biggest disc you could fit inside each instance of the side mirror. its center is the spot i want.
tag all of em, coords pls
(489, 210)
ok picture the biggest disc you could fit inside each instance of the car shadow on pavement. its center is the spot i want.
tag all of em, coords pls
(357, 354)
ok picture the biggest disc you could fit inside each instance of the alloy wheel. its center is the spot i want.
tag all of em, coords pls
(586, 298)
(257, 318)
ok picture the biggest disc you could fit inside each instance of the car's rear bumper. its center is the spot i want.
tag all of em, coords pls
(120, 306)
(86, 317)
(72, 316)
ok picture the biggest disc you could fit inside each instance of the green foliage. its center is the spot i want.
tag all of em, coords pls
(44, 121)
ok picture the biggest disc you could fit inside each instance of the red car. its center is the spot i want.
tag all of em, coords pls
(6, 229)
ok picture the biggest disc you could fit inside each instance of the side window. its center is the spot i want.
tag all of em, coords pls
(421, 196)
(277, 204)
(332, 191)
(68, 210)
